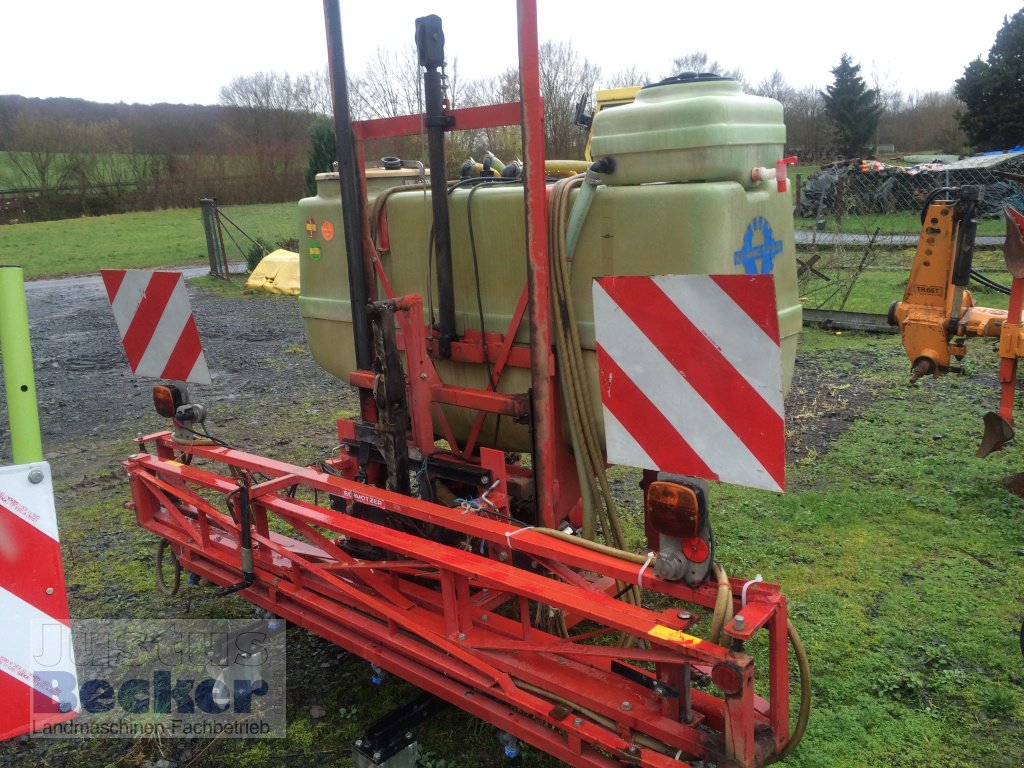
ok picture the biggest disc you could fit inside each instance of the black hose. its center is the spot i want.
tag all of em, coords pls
(933, 196)
(161, 583)
(245, 544)
(981, 279)
(476, 275)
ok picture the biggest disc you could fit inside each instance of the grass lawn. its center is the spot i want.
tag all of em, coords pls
(885, 279)
(136, 240)
(890, 223)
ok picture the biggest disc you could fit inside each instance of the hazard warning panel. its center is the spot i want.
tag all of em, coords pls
(691, 376)
(38, 681)
(156, 324)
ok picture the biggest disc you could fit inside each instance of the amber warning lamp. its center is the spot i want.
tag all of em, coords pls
(167, 398)
(674, 510)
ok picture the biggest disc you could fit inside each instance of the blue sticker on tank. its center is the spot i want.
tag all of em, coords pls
(759, 248)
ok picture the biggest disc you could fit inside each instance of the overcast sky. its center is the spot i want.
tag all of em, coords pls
(184, 51)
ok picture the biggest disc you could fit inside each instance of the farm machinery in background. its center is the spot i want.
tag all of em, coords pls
(938, 314)
(510, 337)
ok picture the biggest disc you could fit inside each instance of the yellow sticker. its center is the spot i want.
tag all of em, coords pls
(676, 635)
(175, 463)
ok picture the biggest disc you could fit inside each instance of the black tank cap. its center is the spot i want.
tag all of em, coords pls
(689, 77)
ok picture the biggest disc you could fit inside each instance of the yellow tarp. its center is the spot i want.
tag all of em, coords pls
(277, 272)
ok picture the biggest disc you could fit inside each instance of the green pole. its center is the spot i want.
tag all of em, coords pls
(16, 349)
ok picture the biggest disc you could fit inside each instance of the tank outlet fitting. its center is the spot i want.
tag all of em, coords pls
(780, 173)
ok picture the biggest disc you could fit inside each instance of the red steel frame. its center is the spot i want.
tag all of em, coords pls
(456, 619)
(457, 623)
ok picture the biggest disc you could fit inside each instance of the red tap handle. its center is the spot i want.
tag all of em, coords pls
(781, 174)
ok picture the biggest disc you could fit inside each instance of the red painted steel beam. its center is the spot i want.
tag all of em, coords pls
(563, 678)
(546, 438)
(493, 531)
(302, 572)
(467, 119)
(464, 397)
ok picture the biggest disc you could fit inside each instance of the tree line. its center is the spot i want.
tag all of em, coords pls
(270, 132)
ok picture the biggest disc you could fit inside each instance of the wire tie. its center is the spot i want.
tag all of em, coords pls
(640, 576)
(743, 594)
(510, 534)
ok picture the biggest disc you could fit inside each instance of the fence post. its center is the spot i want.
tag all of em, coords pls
(19, 379)
(214, 239)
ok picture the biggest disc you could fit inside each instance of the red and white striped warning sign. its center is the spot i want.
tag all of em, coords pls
(38, 682)
(156, 324)
(691, 380)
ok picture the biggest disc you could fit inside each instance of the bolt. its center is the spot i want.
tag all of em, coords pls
(359, 742)
(462, 635)
(423, 375)
(376, 756)
(577, 721)
(503, 556)
(634, 749)
(408, 734)
(485, 480)
(35, 476)
(739, 623)
(49, 590)
(685, 615)
(626, 706)
(65, 706)
(484, 617)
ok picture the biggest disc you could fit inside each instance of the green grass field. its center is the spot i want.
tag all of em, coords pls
(136, 240)
(889, 223)
(885, 279)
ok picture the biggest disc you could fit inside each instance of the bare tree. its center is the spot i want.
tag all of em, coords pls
(564, 78)
(775, 87)
(626, 77)
(313, 93)
(699, 61)
(806, 123)
(389, 85)
(268, 113)
(267, 106)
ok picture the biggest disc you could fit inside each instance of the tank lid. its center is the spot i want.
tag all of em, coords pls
(689, 77)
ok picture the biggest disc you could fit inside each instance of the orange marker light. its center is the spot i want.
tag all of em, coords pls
(166, 399)
(673, 510)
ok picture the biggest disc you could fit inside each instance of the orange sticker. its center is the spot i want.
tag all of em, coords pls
(327, 230)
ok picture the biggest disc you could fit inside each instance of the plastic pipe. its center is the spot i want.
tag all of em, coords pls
(16, 349)
(578, 215)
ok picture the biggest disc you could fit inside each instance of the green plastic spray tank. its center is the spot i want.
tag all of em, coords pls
(692, 191)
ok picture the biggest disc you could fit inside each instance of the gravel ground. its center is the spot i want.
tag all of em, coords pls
(255, 348)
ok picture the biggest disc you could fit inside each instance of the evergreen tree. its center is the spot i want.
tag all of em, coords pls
(322, 153)
(853, 108)
(993, 115)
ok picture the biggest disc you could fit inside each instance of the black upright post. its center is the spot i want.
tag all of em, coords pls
(430, 46)
(351, 198)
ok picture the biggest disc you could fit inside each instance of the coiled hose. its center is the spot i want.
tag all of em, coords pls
(168, 590)
(722, 614)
